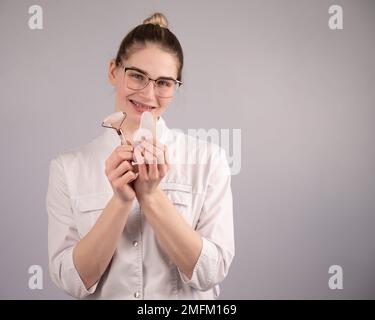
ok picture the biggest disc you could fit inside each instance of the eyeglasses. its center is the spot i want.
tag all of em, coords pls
(136, 79)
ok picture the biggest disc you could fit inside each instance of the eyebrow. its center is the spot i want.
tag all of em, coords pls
(147, 74)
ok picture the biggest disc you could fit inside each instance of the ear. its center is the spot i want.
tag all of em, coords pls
(112, 72)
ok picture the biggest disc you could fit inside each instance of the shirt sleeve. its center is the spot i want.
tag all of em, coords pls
(62, 234)
(215, 225)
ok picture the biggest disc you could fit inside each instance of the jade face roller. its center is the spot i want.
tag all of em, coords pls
(145, 131)
(115, 121)
(112, 120)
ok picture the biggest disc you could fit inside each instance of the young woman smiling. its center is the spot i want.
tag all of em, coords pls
(151, 230)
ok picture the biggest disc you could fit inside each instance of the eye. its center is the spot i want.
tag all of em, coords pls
(165, 83)
(137, 76)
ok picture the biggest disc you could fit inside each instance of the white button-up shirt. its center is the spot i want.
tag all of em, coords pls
(198, 184)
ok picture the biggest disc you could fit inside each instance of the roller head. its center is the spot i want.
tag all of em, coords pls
(113, 118)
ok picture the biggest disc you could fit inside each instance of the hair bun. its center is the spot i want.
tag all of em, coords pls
(158, 19)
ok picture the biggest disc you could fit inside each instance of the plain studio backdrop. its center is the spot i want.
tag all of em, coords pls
(302, 95)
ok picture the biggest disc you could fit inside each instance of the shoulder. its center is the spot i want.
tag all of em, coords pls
(83, 156)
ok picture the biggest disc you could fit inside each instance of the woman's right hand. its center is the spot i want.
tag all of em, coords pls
(120, 173)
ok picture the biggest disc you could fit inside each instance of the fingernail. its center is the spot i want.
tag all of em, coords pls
(136, 176)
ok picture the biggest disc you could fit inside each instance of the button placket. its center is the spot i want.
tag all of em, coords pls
(137, 247)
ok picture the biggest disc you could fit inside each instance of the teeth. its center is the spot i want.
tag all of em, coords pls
(141, 105)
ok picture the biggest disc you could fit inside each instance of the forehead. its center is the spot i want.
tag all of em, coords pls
(155, 61)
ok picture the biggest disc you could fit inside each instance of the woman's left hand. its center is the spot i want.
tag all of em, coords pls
(153, 165)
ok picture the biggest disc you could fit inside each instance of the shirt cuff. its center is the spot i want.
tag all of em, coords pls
(79, 289)
(205, 268)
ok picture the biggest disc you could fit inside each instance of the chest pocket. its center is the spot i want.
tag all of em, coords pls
(89, 207)
(182, 198)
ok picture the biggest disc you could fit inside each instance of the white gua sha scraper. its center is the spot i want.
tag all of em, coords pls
(117, 117)
(145, 131)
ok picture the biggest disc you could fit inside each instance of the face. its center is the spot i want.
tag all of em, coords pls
(156, 63)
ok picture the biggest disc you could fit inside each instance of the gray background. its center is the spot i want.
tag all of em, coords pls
(302, 94)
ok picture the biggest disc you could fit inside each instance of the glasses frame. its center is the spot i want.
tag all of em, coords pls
(178, 82)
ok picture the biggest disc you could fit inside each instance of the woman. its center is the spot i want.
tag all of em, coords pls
(151, 230)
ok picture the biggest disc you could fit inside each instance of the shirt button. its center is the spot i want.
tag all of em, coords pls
(135, 243)
(137, 294)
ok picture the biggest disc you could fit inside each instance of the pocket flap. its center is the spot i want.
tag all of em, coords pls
(176, 186)
(178, 193)
(93, 202)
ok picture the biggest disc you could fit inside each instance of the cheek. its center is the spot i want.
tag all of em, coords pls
(122, 90)
(165, 102)
(123, 94)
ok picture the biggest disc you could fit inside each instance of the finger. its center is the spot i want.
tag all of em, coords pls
(116, 157)
(157, 151)
(156, 144)
(153, 172)
(163, 168)
(166, 156)
(149, 157)
(161, 156)
(142, 170)
(128, 177)
(151, 160)
(125, 155)
(120, 170)
(128, 142)
(124, 147)
(138, 156)
(159, 145)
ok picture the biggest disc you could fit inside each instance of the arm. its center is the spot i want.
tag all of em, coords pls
(77, 264)
(93, 253)
(203, 255)
(181, 243)
(62, 234)
(215, 225)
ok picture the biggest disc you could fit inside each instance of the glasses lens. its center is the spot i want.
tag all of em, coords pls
(165, 87)
(136, 80)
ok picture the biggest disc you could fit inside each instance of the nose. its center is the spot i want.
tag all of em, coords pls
(149, 90)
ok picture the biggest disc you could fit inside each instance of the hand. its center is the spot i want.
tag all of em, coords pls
(121, 173)
(153, 165)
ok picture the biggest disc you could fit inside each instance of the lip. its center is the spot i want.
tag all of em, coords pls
(140, 110)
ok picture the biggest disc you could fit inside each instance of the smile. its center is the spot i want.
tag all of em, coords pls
(140, 107)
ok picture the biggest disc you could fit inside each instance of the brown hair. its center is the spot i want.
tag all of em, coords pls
(153, 30)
